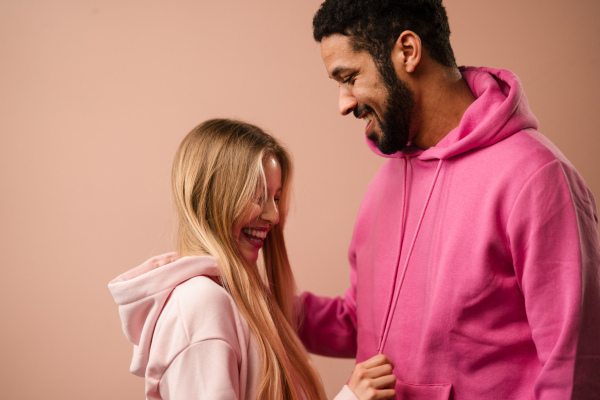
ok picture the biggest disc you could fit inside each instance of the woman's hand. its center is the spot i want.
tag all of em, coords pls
(373, 379)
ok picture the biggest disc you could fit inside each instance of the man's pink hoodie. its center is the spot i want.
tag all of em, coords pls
(474, 263)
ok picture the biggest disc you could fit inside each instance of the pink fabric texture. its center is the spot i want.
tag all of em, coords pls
(474, 264)
(190, 340)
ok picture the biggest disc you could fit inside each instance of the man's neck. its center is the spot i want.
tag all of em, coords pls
(445, 97)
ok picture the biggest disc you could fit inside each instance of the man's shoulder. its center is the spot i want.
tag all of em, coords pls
(527, 150)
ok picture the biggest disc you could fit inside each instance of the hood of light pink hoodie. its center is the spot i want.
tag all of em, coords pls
(142, 292)
(500, 109)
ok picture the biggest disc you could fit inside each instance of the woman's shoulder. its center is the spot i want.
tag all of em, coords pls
(205, 310)
(199, 290)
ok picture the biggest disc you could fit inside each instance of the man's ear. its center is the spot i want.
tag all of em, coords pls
(406, 53)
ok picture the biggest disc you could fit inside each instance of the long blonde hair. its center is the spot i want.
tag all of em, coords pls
(216, 173)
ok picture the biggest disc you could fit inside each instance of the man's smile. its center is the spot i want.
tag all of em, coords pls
(367, 114)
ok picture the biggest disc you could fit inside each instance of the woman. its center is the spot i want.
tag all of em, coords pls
(206, 321)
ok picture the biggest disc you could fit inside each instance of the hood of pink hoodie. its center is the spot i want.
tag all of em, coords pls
(142, 292)
(500, 109)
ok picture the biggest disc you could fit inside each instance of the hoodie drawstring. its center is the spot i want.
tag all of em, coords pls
(395, 294)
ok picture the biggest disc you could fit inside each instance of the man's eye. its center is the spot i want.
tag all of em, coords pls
(349, 80)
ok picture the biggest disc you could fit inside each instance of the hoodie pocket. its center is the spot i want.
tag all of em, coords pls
(416, 391)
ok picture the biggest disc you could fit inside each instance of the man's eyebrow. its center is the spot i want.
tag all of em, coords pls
(337, 71)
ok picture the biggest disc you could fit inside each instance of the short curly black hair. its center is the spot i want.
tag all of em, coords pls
(375, 25)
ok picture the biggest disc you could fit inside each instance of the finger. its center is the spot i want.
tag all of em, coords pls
(376, 372)
(387, 381)
(385, 394)
(374, 361)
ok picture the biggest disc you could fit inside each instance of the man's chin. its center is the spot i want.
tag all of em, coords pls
(385, 150)
(388, 147)
(380, 145)
(374, 137)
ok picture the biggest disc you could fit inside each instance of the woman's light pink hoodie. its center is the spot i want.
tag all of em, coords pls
(474, 263)
(190, 340)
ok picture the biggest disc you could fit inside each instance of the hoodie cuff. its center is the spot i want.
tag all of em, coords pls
(346, 394)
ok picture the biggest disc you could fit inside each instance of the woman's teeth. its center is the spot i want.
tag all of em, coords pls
(254, 234)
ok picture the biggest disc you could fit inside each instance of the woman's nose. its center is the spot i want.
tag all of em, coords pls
(270, 212)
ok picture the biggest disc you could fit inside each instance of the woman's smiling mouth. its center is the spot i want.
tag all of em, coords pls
(255, 237)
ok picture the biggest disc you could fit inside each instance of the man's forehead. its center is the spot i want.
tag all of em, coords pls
(338, 54)
(335, 43)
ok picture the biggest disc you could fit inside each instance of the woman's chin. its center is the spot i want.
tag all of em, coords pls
(250, 255)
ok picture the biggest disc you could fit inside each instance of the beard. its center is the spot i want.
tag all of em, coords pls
(396, 119)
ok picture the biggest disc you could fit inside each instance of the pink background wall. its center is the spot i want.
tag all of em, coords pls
(96, 95)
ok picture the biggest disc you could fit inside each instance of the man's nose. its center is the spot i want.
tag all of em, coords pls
(347, 102)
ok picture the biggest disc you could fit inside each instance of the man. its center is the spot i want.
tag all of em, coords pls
(475, 256)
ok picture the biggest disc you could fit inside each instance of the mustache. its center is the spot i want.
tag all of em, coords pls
(361, 110)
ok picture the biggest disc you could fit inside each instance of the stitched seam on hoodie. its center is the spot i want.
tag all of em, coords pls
(180, 317)
(516, 200)
(525, 185)
(189, 347)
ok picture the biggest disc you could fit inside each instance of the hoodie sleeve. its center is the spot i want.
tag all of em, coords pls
(205, 370)
(328, 325)
(345, 394)
(554, 241)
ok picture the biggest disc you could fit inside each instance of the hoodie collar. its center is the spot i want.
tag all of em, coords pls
(499, 110)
